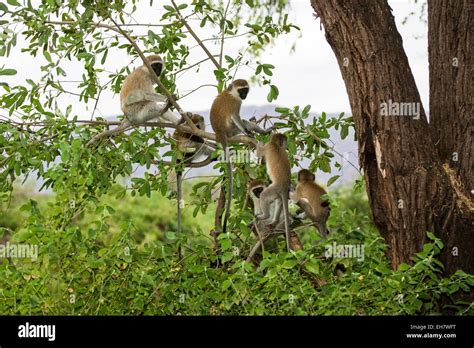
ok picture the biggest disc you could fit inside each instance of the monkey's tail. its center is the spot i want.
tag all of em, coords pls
(284, 200)
(229, 190)
(179, 193)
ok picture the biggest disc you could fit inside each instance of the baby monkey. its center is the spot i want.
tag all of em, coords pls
(308, 196)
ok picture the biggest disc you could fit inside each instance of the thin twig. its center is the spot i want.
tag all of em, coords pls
(223, 32)
(192, 66)
(193, 34)
(195, 89)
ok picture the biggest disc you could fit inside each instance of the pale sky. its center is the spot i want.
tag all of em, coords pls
(309, 75)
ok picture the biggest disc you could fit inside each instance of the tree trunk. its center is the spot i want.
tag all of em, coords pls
(451, 113)
(451, 88)
(409, 190)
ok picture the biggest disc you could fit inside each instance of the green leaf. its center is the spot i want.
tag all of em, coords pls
(312, 266)
(417, 304)
(8, 72)
(226, 244)
(13, 2)
(344, 131)
(47, 56)
(282, 110)
(382, 269)
(403, 267)
(288, 264)
(333, 179)
(306, 110)
(226, 284)
(227, 256)
(431, 235)
(273, 94)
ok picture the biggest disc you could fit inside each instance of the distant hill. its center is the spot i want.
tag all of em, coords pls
(346, 147)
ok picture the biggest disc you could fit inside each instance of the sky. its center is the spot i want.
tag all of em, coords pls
(307, 75)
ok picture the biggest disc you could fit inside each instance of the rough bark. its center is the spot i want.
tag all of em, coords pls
(451, 112)
(450, 37)
(409, 190)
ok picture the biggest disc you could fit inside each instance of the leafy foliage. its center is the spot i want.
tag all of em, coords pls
(109, 262)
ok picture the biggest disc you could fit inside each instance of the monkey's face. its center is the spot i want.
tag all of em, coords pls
(243, 92)
(257, 190)
(157, 67)
(198, 121)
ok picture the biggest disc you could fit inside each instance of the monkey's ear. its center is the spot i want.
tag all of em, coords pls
(229, 88)
(313, 177)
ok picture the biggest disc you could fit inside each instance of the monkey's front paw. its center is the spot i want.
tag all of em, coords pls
(169, 102)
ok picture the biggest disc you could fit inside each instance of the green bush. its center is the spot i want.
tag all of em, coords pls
(122, 260)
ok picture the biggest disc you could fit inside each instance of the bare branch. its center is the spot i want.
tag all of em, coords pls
(193, 65)
(223, 32)
(96, 25)
(197, 88)
(193, 34)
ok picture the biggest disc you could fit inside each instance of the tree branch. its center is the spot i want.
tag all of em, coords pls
(223, 32)
(193, 34)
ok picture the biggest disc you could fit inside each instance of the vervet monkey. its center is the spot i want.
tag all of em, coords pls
(265, 231)
(308, 196)
(139, 101)
(193, 147)
(226, 122)
(279, 171)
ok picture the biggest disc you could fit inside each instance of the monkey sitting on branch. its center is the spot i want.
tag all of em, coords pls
(226, 123)
(139, 101)
(193, 147)
(308, 196)
(279, 170)
(264, 231)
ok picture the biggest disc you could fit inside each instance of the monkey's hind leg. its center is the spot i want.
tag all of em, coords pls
(255, 128)
(253, 251)
(268, 195)
(258, 244)
(156, 111)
